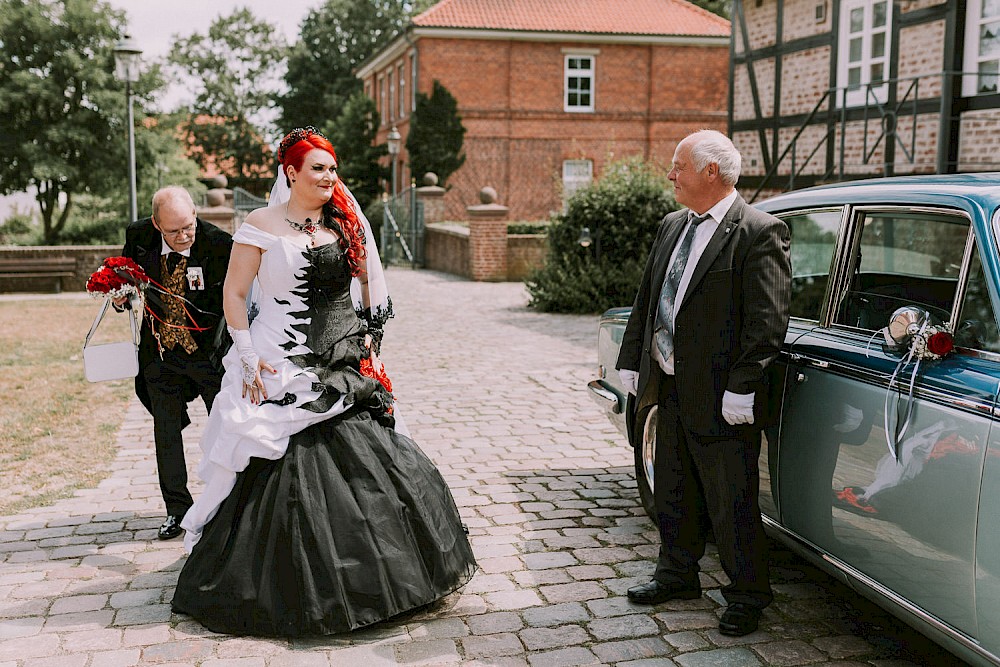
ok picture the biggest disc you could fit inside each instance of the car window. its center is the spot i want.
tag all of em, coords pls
(977, 322)
(814, 239)
(903, 258)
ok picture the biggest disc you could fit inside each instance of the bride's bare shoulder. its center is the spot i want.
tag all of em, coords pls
(267, 219)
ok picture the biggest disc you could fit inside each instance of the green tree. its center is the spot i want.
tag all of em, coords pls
(721, 7)
(434, 142)
(62, 112)
(235, 71)
(335, 38)
(353, 137)
(622, 211)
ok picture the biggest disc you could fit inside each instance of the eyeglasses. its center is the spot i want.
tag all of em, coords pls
(187, 231)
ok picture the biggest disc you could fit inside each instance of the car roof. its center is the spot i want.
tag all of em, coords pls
(981, 190)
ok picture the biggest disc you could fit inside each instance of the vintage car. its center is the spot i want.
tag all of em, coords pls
(882, 460)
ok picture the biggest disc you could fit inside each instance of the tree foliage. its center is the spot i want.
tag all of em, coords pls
(723, 8)
(353, 136)
(335, 39)
(622, 212)
(235, 70)
(62, 127)
(434, 142)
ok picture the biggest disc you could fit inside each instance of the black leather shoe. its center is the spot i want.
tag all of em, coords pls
(656, 592)
(739, 619)
(170, 529)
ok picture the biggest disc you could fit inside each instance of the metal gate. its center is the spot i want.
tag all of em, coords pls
(402, 237)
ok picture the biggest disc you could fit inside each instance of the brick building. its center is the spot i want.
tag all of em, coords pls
(827, 90)
(550, 91)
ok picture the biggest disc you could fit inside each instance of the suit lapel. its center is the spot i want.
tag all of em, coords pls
(664, 252)
(723, 234)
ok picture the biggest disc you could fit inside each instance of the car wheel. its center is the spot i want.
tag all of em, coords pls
(645, 452)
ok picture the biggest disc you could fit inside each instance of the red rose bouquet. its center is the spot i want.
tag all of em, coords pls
(117, 277)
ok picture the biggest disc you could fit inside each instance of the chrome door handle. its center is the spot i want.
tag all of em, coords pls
(817, 363)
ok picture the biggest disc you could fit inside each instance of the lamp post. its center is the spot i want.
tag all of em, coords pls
(127, 56)
(392, 141)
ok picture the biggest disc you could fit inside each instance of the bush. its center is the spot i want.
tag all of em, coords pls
(623, 212)
(19, 228)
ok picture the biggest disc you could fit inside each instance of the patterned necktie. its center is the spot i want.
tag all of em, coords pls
(668, 294)
(173, 259)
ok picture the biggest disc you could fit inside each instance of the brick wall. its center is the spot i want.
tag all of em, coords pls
(446, 248)
(510, 96)
(979, 149)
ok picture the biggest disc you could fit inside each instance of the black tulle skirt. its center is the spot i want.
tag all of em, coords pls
(352, 526)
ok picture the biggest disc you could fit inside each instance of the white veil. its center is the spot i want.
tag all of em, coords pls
(378, 292)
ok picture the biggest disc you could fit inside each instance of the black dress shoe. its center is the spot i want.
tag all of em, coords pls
(170, 529)
(739, 619)
(656, 592)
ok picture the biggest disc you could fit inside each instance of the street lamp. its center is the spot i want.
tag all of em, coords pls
(392, 140)
(127, 57)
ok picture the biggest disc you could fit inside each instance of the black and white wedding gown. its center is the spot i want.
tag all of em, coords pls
(317, 516)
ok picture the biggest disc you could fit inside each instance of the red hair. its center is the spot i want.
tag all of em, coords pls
(292, 153)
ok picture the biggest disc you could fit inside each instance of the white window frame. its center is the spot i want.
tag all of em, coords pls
(413, 82)
(391, 77)
(401, 76)
(973, 60)
(576, 175)
(862, 94)
(576, 58)
(383, 121)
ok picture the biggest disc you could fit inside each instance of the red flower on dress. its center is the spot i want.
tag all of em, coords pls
(368, 370)
(940, 343)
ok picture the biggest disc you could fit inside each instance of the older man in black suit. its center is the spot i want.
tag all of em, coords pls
(709, 317)
(181, 348)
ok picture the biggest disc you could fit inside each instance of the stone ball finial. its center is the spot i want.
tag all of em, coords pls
(430, 178)
(215, 197)
(220, 181)
(488, 195)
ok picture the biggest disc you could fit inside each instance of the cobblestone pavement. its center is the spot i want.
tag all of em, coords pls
(496, 395)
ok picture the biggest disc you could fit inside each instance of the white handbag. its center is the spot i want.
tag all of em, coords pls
(111, 361)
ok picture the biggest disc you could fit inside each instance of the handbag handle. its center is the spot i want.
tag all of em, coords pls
(134, 301)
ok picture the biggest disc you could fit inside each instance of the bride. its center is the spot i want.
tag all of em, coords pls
(319, 515)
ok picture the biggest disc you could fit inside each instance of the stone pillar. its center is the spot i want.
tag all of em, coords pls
(219, 185)
(431, 195)
(488, 238)
(217, 212)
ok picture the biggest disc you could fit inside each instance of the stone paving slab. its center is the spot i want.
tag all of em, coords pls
(496, 395)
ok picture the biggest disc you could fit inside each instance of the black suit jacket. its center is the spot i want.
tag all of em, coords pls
(211, 249)
(730, 325)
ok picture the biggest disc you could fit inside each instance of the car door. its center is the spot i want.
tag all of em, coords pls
(894, 500)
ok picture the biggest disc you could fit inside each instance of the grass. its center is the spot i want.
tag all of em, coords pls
(57, 431)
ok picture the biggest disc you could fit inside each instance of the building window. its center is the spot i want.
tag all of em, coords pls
(413, 82)
(579, 83)
(865, 32)
(982, 47)
(392, 96)
(381, 101)
(401, 75)
(577, 174)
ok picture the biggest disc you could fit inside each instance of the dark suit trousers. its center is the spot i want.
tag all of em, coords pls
(170, 383)
(708, 482)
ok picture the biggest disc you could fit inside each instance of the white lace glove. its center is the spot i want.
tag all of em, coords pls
(248, 358)
(737, 408)
(630, 380)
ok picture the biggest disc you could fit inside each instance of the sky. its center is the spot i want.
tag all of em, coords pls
(153, 24)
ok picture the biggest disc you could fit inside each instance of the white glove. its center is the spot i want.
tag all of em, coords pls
(737, 408)
(248, 357)
(630, 380)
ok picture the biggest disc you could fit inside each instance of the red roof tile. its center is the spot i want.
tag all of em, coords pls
(620, 17)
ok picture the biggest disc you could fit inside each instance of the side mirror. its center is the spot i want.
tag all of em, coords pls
(904, 323)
